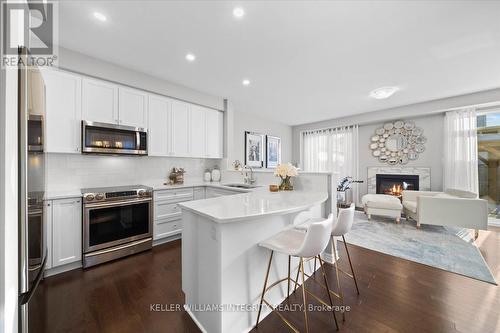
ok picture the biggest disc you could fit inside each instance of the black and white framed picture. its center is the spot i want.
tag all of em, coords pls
(254, 149)
(273, 149)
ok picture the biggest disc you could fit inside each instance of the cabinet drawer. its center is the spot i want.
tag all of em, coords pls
(177, 195)
(167, 210)
(165, 228)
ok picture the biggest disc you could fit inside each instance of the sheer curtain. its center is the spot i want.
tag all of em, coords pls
(332, 150)
(460, 150)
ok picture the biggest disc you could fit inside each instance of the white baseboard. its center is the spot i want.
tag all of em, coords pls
(62, 269)
(493, 223)
(167, 239)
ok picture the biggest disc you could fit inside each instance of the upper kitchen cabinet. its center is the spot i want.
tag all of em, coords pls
(63, 111)
(159, 126)
(214, 133)
(197, 131)
(180, 129)
(99, 101)
(132, 106)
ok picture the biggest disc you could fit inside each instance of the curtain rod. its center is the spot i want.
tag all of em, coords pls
(328, 129)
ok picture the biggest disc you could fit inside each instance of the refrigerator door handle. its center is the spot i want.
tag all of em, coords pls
(25, 298)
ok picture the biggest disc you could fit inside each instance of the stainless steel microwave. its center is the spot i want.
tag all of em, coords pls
(103, 138)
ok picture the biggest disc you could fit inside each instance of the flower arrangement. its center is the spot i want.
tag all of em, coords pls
(286, 172)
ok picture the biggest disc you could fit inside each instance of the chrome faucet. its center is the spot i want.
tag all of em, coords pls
(244, 172)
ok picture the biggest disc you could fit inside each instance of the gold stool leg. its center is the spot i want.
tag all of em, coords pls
(288, 289)
(297, 278)
(328, 291)
(301, 267)
(338, 278)
(350, 264)
(264, 289)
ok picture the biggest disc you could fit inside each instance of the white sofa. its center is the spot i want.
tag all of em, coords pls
(452, 208)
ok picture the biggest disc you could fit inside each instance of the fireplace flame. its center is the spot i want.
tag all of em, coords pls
(396, 190)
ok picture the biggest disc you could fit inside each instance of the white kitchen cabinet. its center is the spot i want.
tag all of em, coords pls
(159, 126)
(197, 120)
(36, 101)
(212, 192)
(47, 232)
(180, 129)
(199, 193)
(214, 133)
(63, 112)
(66, 231)
(167, 213)
(99, 101)
(132, 107)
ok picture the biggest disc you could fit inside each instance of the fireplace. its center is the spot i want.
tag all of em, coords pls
(395, 184)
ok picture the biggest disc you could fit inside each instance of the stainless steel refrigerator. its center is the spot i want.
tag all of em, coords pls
(31, 187)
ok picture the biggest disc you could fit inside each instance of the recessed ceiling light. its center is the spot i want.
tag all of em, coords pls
(190, 57)
(383, 92)
(100, 16)
(238, 12)
(245, 82)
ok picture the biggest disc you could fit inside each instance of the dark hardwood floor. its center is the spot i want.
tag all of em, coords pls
(396, 296)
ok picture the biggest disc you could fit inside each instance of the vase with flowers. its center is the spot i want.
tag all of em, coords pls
(286, 172)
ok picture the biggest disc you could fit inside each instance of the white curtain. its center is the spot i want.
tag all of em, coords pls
(460, 150)
(332, 150)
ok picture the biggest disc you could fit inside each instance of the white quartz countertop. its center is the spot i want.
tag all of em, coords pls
(157, 186)
(255, 204)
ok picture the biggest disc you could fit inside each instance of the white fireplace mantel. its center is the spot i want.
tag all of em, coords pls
(424, 176)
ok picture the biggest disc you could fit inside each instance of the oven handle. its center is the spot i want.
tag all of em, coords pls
(116, 203)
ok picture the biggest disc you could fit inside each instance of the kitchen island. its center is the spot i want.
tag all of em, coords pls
(223, 268)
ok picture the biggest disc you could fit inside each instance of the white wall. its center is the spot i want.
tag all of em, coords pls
(430, 158)
(75, 171)
(84, 64)
(239, 122)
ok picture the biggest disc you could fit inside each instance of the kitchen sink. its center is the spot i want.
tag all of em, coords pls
(239, 185)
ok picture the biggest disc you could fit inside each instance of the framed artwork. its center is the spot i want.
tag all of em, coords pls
(254, 149)
(273, 149)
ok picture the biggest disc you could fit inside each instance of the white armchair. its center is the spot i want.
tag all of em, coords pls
(452, 207)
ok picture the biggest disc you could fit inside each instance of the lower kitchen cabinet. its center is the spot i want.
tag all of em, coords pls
(64, 231)
(212, 192)
(199, 193)
(167, 213)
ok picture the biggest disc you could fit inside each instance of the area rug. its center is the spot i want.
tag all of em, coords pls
(448, 248)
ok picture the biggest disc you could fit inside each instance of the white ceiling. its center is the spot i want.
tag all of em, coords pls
(307, 60)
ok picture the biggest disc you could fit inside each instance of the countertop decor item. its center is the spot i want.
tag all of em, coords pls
(176, 176)
(207, 176)
(397, 142)
(237, 165)
(286, 172)
(216, 174)
(274, 188)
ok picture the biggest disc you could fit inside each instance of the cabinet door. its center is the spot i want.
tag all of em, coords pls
(36, 99)
(132, 106)
(47, 232)
(63, 112)
(158, 127)
(199, 193)
(197, 129)
(66, 231)
(180, 129)
(99, 101)
(215, 133)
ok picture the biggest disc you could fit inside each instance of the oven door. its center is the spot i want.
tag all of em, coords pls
(108, 224)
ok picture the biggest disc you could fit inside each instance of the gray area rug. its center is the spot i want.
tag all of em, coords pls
(448, 248)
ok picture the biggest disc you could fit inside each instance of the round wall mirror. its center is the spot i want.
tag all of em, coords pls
(398, 142)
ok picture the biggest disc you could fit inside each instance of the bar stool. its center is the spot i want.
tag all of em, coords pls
(296, 243)
(344, 223)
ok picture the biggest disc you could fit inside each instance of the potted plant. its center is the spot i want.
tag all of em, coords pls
(286, 172)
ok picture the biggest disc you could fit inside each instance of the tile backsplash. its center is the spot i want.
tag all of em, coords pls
(73, 171)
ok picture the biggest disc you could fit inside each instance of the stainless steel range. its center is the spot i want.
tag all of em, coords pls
(117, 222)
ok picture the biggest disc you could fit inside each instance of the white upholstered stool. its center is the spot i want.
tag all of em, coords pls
(299, 244)
(382, 204)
